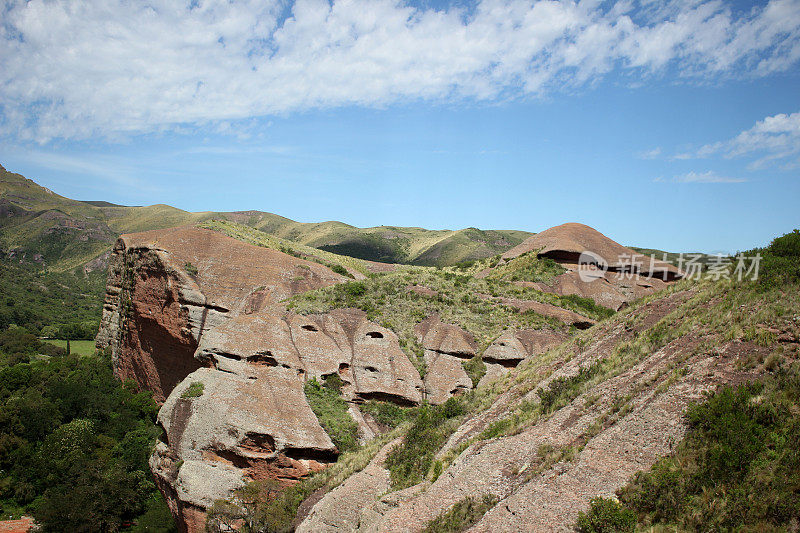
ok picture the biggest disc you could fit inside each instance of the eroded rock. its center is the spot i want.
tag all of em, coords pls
(512, 347)
(199, 319)
(446, 347)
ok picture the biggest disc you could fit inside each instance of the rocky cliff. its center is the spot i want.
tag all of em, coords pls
(197, 318)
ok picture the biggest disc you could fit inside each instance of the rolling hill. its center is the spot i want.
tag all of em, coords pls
(39, 226)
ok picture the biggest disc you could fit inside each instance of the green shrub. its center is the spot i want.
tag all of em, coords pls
(331, 411)
(332, 382)
(339, 269)
(461, 516)
(190, 269)
(194, 390)
(606, 516)
(566, 388)
(586, 306)
(475, 369)
(780, 261)
(409, 462)
(387, 413)
(737, 468)
(354, 289)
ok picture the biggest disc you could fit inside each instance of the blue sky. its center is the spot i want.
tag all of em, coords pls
(665, 124)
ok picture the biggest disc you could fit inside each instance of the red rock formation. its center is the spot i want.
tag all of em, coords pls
(624, 276)
(512, 347)
(198, 318)
(566, 243)
(22, 525)
(446, 347)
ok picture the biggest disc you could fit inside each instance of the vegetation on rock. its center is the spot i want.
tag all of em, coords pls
(462, 515)
(738, 467)
(473, 304)
(195, 390)
(330, 408)
(409, 462)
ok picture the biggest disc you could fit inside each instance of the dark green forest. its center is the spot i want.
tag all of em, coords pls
(74, 441)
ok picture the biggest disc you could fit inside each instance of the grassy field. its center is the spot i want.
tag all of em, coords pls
(76, 347)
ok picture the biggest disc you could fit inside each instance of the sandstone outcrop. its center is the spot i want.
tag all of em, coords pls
(512, 347)
(566, 243)
(198, 318)
(201, 320)
(446, 347)
(617, 274)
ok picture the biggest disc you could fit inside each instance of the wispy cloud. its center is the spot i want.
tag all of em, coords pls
(115, 171)
(773, 140)
(701, 177)
(650, 154)
(240, 150)
(117, 67)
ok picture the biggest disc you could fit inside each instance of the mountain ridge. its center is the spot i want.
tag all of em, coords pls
(31, 215)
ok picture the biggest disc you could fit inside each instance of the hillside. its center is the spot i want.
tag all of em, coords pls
(698, 381)
(39, 226)
(220, 320)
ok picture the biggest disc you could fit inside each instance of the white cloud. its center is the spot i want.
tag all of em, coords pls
(113, 67)
(650, 154)
(772, 140)
(705, 177)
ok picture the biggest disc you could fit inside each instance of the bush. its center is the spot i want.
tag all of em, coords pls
(566, 387)
(461, 516)
(409, 462)
(780, 261)
(475, 369)
(195, 390)
(331, 411)
(387, 413)
(606, 516)
(354, 289)
(190, 269)
(738, 467)
(339, 269)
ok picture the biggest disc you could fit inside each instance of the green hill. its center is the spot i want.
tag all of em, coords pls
(40, 226)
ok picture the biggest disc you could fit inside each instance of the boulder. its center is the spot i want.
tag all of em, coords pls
(381, 370)
(512, 347)
(446, 346)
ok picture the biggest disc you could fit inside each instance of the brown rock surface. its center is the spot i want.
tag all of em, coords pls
(534, 496)
(22, 525)
(189, 305)
(625, 275)
(565, 244)
(570, 318)
(446, 346)
(344, 506)
(512, 347)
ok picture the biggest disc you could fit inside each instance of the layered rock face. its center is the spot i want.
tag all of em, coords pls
(198, 319)
(597, 267)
